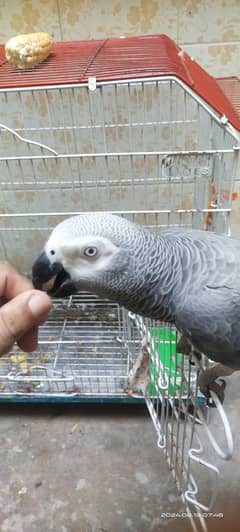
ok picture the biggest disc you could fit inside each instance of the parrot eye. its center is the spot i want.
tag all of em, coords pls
(52, 252)
(90, 252)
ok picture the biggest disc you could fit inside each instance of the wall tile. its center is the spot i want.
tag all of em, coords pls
(26, 16)
(107, 18)
(207, 21)
(217, 59)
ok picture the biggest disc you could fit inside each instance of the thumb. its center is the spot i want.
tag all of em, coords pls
(20, 315)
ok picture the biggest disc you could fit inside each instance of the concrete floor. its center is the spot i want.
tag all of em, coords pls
(97, 468)
(82, 469)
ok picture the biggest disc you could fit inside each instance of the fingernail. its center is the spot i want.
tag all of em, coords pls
(38, 304)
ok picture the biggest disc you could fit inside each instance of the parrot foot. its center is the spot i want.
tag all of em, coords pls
(209, 373)
(140, 373)
(207, 381)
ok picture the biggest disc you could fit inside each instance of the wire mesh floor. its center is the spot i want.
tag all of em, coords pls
(82, 350)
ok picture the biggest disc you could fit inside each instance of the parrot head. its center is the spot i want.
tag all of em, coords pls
(85, 252)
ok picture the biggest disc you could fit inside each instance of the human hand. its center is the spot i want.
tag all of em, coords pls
(22, 309)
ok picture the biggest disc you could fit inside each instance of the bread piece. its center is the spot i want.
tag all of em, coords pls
(28, 50)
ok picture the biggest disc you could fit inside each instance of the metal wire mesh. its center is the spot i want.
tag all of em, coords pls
(139, 146)
(83, 349)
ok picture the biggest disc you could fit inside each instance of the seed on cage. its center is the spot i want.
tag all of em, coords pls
(19, 358)
(74, 427)
(24, 367)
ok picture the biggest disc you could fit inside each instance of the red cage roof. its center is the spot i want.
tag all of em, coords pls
(231, 87)
(118, 59)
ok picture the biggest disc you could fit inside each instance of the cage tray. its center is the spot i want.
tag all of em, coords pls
(83, 354)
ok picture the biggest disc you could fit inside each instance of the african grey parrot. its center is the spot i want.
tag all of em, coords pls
(183, 276)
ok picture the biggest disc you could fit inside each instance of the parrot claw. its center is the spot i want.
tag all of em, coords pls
(207, 384)
(209, 379)
(210, 373)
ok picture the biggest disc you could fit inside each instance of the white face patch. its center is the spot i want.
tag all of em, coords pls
(76, 259)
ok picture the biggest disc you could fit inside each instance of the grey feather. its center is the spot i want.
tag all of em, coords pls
(186, 277)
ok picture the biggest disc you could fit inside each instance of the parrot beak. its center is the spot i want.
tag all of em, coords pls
(51, 277)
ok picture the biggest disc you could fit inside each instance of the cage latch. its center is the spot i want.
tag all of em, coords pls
(92, 83)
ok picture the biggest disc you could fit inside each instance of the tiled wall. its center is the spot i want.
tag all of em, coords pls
(207, 29)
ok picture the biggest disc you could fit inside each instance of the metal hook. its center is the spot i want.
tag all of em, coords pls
(161, 443)
(131, 315)
(190, 493)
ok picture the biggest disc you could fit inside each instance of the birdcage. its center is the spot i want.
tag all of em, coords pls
(132, 126)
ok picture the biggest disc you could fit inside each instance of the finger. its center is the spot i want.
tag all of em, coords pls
(12, 282)
(29, 341)
(20, 315)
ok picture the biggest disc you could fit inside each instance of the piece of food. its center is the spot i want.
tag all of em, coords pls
(28, 50)
(19, 358)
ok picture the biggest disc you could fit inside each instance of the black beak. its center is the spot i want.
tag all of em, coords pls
(43, 271)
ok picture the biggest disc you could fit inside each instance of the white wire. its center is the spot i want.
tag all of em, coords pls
(28, 141)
